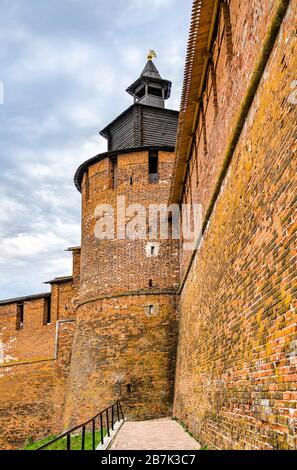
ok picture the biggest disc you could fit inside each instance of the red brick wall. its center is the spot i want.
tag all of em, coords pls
(34, 341)
(250, 22)
(76, 267)
(235, 382)
(125, 258)
(34, 365)
(236, 372)
(32, 395)
(117, 343)
(64, 299)
(115, 338)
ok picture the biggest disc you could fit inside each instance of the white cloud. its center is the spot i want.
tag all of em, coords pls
(147, 7)
(65, 67)
(25, 245)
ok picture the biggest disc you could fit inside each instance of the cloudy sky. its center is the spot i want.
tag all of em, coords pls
(64, 66)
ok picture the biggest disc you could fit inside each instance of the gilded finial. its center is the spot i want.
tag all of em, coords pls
(151, 54)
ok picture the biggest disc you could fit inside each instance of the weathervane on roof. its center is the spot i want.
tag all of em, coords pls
(151, 54)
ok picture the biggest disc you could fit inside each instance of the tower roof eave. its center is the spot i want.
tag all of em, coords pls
(104, 131)
(25, 298)
(78, 177)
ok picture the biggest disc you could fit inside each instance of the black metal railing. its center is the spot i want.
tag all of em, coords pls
(107, 419)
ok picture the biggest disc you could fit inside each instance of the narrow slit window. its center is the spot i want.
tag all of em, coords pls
(150, 283)
(20, 316)
(152, 250)
(150, 309)
(114, 173)
(129, 388)
(153, 166)
(47, 311)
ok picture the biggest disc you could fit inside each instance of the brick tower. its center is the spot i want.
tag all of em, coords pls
(126, 328)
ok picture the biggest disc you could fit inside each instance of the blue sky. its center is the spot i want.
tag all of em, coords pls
(65, 65)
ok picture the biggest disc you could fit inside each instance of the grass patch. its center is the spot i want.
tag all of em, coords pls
(184, 426)
(62, 444)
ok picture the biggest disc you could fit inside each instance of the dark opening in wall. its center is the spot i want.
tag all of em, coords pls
(47, 311)
(150, 283)
(129, 388)
(152, 250)
(114, 173)
(20, 316)
(140, 93)
(150, 309)
(155, 91)
(153, 166)
(131, 180)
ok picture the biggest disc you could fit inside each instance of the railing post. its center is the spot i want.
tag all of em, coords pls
(68, 441)
(93, 434)
(101, 429)
(83, 438)
(112, 417)
(66, 436)
(118, 411)
(121, 410)
(107, 423)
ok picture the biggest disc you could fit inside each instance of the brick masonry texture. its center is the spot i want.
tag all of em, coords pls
(236, 364)
(210, 336)
(34, 365)
(118, 345)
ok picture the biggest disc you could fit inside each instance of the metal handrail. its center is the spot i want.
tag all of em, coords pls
(109, 426)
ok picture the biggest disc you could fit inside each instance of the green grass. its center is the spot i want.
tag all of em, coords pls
(183, 425)
(61, 444)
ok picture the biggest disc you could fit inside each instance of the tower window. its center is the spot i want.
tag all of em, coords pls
(154, 91)
(150, 283)
(153, 166)
(20, 316)
(47, 311)
(140, 93)
(150, 309)
(129, 388)
(114, 173)
(152, 249)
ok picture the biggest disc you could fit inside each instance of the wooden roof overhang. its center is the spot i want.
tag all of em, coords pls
(59, 280)
(25, 298)
(204, 15)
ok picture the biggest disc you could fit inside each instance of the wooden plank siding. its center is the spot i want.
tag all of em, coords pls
(142, 125)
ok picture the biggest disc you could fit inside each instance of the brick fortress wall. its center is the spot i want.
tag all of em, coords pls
(121, 347)
(236, 364)
(34, 364)
(235, 381)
